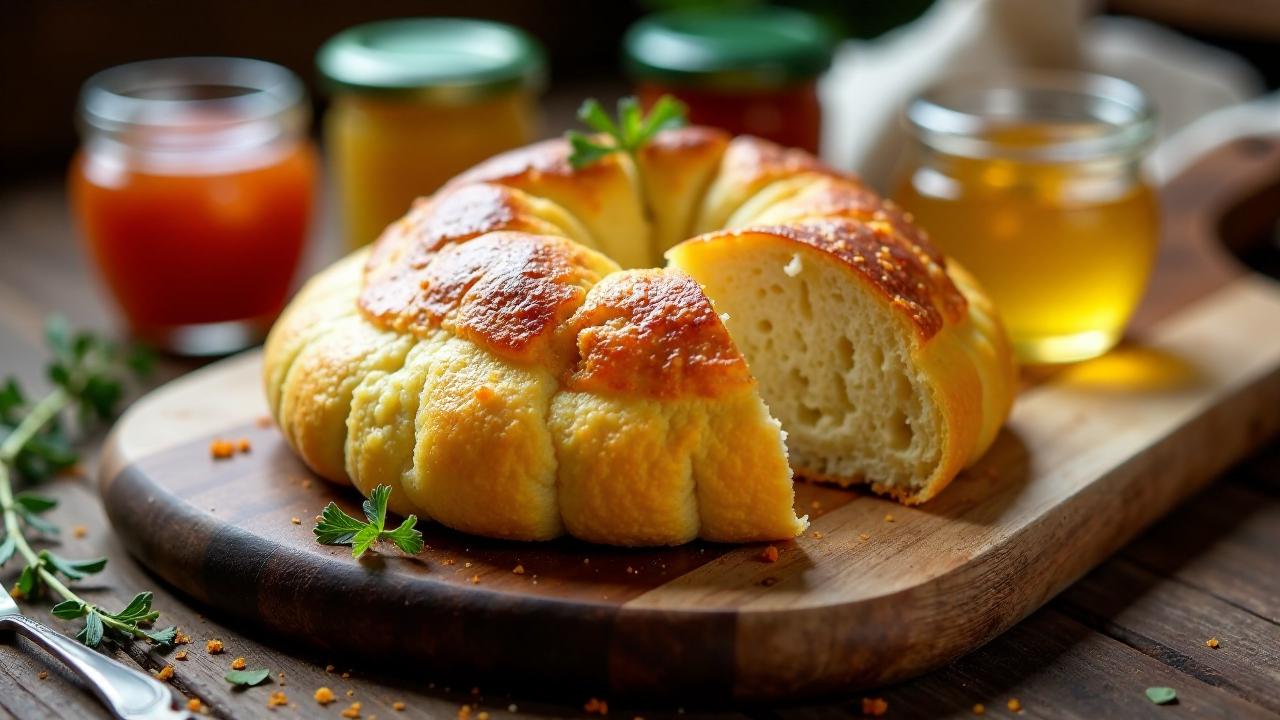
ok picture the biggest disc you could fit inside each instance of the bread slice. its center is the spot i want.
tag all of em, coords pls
(862, 346)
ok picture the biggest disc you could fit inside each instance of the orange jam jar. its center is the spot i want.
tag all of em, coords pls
(416, 101)
(1033, 182)
(193, 188)
(750, 71)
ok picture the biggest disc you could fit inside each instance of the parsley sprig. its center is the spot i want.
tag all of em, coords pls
(87, 373)
(630, 133)
(338, 528)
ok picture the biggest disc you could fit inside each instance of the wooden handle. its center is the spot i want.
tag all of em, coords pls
(1213, 212)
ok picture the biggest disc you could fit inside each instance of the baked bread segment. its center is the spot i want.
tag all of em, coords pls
(864, 346)
(676, 168)
(647, 429)
(605, 197)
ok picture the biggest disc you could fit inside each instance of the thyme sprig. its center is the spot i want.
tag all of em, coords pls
(88, 374)
(631, 132)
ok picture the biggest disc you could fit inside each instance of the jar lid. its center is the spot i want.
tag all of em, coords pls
(746, 48)
(432, 59)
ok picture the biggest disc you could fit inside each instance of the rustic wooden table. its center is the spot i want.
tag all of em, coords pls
(1140, 620)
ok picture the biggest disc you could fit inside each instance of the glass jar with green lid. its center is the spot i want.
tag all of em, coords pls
(418, 100)
(751, 70)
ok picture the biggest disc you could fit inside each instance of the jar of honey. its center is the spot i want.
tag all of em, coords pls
(748, 70)
(193, 187)
(1033, 182)
(417, 101)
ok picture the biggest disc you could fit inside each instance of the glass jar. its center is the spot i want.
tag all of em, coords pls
(417, 101)
(750, 71)
(193, 187)
(1033, 182)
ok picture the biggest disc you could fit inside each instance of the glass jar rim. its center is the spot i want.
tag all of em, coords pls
(133, 95)
(1090, 116)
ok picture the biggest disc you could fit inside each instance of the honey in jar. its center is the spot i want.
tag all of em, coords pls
(1033, 183)
(416, 101)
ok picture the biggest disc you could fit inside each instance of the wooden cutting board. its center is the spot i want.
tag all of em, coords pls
(876, 592)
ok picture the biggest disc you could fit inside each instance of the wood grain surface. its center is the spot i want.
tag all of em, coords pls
(1091, 455)
(1141, 619)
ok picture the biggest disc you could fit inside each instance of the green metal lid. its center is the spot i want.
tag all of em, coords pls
(748, 48)
(432, 59)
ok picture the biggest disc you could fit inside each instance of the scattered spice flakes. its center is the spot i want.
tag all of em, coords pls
(213, 647)
(1014, 705)
(295, 520)
(352, 711)
(874, 707)
(596, 706)
(79, 532)
(194, 705)
(817, 535)
(180, 655)
(449, 561)
(221, 449)
(43, 674)
(518, 569)
(398, 706)
(165, 673)
(979, 708)
(769, 554)
(1212, 643)
(324, 695)
(277, 699)
(351, 693)
(888, 517)
(238, 664)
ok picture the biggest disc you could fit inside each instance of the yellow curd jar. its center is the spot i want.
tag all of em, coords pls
(416, 101)
(1033, 182)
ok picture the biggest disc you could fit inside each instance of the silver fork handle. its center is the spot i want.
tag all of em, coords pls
(129, 694)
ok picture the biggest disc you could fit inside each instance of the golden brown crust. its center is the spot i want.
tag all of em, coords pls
(687, 143)
(653, 333)
(505, 291)
(910, 275)
(752, 161)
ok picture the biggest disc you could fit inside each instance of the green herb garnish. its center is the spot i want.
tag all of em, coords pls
(338, 528)
(630, 133)
(88, 376)
(247, 678)
(1162, 695)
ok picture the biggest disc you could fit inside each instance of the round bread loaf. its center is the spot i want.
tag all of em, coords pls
(492, 362)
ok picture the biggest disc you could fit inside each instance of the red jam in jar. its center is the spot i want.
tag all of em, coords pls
(194, 188)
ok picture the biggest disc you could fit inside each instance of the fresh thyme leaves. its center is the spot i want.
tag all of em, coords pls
(630, 133)
(247, 678)
(88, 376)
(338, 528)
